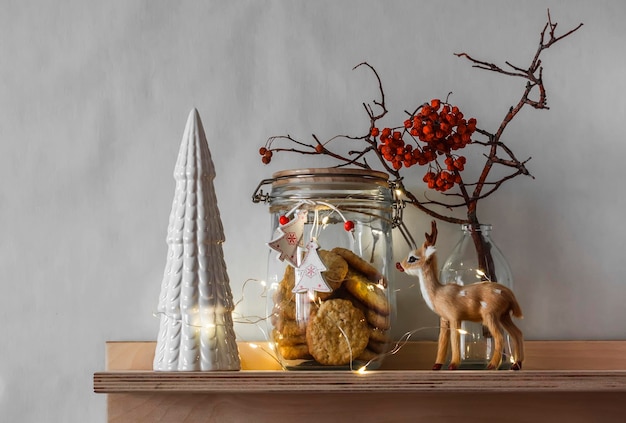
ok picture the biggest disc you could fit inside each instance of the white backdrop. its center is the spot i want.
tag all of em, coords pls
(93, 102)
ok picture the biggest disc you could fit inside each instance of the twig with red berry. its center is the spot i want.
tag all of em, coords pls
(433, 135)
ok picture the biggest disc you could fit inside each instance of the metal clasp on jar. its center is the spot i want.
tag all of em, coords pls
(258, 196)
(397, 189)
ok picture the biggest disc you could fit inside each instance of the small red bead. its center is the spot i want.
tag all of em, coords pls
(283, 220)
(349, 225)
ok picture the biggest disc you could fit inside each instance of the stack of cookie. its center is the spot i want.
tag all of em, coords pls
(349, 323)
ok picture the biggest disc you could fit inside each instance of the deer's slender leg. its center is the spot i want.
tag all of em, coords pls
(518, 343)
(496, 331)
(442, 343)
(455, 336)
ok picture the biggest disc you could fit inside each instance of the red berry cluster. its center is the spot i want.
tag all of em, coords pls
(397, 152)
(442, 129)
(266, 155)
(441, 126)
(441, 180)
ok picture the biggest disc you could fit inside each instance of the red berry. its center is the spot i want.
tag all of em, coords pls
(348, 226)
(283, 220)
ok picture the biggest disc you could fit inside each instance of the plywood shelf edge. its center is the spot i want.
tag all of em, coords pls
(556, 366)
(396, 381)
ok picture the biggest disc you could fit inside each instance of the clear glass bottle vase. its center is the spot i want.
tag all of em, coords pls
(476, 258)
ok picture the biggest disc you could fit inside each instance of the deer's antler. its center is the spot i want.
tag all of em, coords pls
(432, 237)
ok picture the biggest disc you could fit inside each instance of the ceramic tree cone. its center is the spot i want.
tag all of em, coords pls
(196, 303)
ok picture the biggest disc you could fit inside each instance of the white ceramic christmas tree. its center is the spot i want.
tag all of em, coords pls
(196, 303)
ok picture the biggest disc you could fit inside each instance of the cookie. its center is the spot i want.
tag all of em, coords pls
(358, 264)
(367, 292)
(337, 334)
(285, 309)
(283, 340)
(344, 294)
(378, 347)
(378, 335)
(377, 320)
(286, 285)
(294, 352)
(337, 269)
(290, 328)
(373, 318)
(367, 355)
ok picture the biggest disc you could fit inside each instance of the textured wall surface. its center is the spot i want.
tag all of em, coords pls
(93, 102)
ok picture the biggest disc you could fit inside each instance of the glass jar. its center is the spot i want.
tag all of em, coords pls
(476, 258)
(330, 303)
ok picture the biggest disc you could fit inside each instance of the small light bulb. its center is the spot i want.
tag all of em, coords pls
(462, 331)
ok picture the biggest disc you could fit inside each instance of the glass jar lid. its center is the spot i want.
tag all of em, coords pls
(309, 183)
(331, 176)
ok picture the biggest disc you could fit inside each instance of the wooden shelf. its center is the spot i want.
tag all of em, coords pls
(372, 381)
(560, 378)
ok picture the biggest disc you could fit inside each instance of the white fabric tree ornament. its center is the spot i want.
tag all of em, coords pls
(309, 276)
(196, 303)
(289, 238)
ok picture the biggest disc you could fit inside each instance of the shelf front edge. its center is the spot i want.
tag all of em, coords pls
(371, 381)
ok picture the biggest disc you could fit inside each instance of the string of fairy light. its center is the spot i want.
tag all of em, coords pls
(320, 222)
(261, 323)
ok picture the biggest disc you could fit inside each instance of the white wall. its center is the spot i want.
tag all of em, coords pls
(93, 101)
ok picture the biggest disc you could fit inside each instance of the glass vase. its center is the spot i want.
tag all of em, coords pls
(476, 258)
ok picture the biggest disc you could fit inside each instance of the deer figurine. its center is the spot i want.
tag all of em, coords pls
(487, 302)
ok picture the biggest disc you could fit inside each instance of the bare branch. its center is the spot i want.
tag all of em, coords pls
(498, 153)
